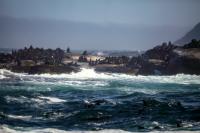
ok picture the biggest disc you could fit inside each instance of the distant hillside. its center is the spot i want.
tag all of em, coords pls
(193, 34)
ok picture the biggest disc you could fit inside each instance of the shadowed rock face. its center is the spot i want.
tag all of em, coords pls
(168, 59)
(184, 61)
(44, 69)
(161, 52)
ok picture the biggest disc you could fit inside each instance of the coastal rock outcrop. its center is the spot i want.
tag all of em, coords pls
(44, 69)
(36, 61)
(165, 59)
(169, 59)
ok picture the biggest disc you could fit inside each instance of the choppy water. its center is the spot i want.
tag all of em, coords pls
(88, 101)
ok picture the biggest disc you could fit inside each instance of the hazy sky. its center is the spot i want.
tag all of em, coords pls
(95, 24)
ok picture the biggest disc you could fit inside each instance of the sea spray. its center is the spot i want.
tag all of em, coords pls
(91, 74)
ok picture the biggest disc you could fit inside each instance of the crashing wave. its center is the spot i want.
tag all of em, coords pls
(91, 74)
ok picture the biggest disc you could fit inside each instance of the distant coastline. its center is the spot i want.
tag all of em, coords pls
(164, 59)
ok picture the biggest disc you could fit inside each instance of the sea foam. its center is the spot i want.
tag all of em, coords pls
(52, 99)
(6, 129)
(90, 74)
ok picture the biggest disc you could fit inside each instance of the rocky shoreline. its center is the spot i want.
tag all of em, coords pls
(40, 69)
(165, 59)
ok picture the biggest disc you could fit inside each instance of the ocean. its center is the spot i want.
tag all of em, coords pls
(88, 101)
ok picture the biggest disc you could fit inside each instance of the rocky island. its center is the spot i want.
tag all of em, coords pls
(164, 59)
(36, 61)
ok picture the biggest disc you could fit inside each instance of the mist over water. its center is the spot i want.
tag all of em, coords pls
(88, 100)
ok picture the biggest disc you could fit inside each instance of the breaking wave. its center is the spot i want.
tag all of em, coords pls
(91, 74)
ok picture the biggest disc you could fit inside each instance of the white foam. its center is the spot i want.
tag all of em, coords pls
(6, 129)
(40, 100)
(85, 73)
(7, 73)
(25, 118)
(2, 73)
(2, 77)
(89, 75)
(52, 99)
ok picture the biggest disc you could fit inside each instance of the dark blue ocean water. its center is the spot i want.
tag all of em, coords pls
(88, 101)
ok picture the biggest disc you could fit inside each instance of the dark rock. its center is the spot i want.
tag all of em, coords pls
(140, 127)
(115, 69)
(179, 123)
(2, 115)
(150, 103)
(99, 102)
(185, 61)
(157, 127)
(43, 69)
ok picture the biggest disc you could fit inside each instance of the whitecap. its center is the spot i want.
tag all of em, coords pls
(38, 101)
(52, 99)
(25, 118)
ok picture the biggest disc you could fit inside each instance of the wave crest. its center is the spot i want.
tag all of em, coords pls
(91, 74)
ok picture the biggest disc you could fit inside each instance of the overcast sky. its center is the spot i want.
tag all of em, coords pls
(95, 24)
